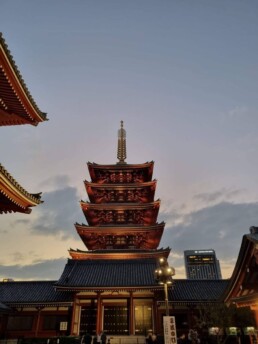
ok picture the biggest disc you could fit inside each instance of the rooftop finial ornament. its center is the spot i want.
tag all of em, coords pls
(121, 148)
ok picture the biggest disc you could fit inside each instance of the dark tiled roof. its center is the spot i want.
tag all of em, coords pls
(32, 292)
(135, 273)
(95, 274)
(197, 290)
(109, 273)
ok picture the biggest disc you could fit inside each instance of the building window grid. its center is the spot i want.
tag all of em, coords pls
(202, 264)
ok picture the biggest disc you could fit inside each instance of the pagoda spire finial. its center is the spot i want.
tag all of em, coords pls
(121, 148)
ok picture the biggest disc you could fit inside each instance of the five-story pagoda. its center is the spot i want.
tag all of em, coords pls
(113, 281)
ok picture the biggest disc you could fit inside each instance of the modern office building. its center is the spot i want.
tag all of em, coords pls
(202, 264)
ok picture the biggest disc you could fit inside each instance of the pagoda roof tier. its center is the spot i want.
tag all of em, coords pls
(121, 213)
(146, 237)
(116, 254)
(135, 192)
(121, 173)
(16, 103)
(13, 197)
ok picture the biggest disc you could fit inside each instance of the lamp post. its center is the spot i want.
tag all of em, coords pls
(164, 276)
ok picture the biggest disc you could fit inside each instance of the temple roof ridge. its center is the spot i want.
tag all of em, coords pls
(121, 225)
(34, 197)
(136, 184)
(119, 254)
(121, 250)
(147, 163)
(121, 204)
(29, 282)
(13, 65)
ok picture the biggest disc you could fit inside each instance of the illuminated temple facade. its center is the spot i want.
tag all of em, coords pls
(113, 280)
(110, 286)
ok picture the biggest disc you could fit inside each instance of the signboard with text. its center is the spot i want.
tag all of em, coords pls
(63, 326)
(169, 324)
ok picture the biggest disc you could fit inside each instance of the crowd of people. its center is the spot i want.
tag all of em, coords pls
(100, 338)
(192, 337)
(151, 338)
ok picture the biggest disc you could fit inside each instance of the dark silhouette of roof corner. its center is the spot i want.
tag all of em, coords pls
(34, 116)
(248, 242)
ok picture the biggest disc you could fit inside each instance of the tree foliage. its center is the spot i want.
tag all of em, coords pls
(243, 317)
(220, 315)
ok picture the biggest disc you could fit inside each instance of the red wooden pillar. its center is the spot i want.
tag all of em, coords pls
(155, 314)
(75, 330)
(99, 314)
(131, 314)
(38, 320)
(255, 310)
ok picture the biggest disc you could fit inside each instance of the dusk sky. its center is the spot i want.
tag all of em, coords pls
(182, 75)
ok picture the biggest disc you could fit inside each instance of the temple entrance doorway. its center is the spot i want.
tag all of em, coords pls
(116, 320)
(88, 319)
(118, 317)
(143, 319)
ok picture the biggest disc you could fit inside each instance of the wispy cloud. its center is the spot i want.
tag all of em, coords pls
(43, 270)
(3, 231)
(219, 227)
(21, 257)
(58, 213)
(235, 115)
(56, 182)
(238, 111)
(219, 195)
